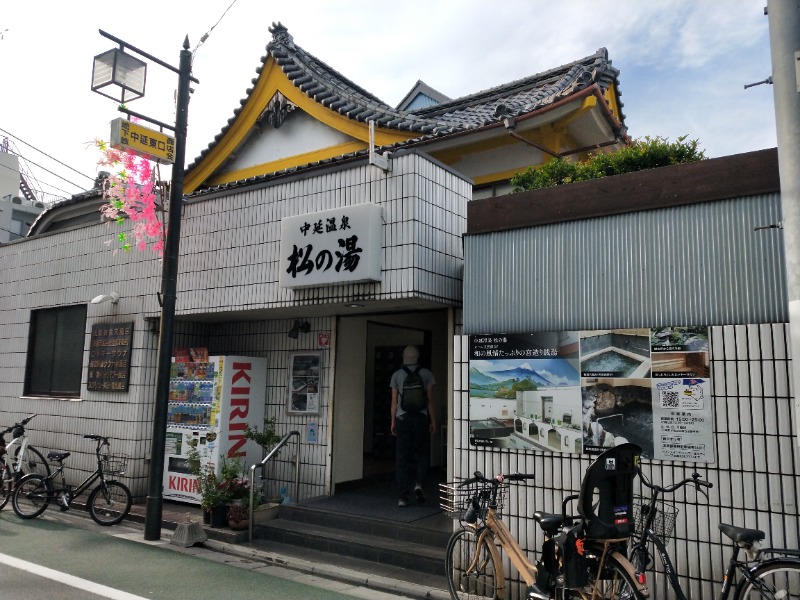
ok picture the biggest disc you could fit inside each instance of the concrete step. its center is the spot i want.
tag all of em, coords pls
(433, 531)
(380, 549)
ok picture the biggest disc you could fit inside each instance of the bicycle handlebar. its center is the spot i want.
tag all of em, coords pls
(97, 438)
(478, 477)
(695, 479)
(20, 424)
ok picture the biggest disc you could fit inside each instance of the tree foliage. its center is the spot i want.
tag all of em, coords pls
(641, 154)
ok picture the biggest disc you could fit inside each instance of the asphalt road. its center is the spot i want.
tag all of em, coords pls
(65, 556)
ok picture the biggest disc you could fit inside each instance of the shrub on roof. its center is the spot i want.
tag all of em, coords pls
(641, 154)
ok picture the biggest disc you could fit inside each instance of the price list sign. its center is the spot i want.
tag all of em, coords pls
(110, 357)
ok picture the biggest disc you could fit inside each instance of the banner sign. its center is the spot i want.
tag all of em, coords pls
(585, 391)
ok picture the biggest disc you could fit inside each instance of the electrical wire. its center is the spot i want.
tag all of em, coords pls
(8, 133)
(208, 33)
(54, 174)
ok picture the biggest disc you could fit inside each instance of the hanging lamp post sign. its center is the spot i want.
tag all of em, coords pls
(127, 73)
(153, 145)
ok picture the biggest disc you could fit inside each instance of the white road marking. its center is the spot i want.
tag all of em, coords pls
(70, 580)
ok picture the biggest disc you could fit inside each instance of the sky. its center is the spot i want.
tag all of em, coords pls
(683, 63)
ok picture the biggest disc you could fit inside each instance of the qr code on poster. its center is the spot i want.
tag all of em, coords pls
(670, 399)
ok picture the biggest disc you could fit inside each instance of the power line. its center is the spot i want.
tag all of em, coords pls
(208, 33)
(48, 156)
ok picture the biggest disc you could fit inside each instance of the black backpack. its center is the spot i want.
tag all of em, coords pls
(413, 398)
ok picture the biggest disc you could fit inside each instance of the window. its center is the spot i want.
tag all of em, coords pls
(55, 352)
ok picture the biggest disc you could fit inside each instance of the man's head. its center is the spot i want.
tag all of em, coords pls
(410, 355)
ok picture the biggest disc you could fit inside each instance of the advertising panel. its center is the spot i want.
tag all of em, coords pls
(585, 391)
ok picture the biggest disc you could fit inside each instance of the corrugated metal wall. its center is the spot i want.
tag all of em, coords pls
(702, 264)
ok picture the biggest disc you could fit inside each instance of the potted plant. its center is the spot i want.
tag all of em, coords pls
(213, 497)
(236, 487)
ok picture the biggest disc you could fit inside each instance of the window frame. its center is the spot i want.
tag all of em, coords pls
(56, 348)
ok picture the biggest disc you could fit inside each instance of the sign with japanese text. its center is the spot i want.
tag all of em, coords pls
(586, 391)
(342, 245)
(152, 144)
(110, 357)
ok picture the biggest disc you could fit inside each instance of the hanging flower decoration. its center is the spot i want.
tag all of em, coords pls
(131, 194)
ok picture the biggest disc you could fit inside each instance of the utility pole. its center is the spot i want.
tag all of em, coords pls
(784, 41)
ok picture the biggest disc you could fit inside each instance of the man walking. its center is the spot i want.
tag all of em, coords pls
(413, 420)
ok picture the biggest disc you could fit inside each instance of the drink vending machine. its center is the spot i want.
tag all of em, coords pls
(211, 402)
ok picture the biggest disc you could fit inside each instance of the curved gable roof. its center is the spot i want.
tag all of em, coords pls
(334, 99)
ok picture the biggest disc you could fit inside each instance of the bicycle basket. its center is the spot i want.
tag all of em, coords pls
(454, 501)
(115, 464)
(664, 522)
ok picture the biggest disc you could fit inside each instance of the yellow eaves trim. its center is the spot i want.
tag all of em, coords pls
(269, 82)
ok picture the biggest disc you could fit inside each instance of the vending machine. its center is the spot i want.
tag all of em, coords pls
(211, 402)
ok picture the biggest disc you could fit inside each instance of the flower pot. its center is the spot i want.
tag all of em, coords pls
(238, 515)
(265, 512)
(239, 525)
(206, 517)
(219, 516)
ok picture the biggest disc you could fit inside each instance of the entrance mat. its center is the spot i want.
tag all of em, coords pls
(378, 499)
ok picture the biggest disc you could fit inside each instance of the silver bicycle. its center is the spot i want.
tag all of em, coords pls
(18, 458)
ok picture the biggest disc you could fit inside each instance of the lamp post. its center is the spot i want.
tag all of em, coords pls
(115, 67)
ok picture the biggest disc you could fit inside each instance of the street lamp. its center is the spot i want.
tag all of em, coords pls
(116, 68)
(122, 70)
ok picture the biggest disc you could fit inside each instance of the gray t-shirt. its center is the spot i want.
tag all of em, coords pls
(399, 378)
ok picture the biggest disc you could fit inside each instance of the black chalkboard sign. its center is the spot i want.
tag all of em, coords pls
(110, 357)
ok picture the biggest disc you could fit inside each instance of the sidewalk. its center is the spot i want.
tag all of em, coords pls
(298, 564)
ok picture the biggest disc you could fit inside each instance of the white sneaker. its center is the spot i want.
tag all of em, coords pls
(419, 493)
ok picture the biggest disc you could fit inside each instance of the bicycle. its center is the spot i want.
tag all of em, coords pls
(765, 573)
(472, 562)
(19, 461)
(108, 503)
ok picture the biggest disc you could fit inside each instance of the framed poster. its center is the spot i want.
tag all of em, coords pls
(304, 383)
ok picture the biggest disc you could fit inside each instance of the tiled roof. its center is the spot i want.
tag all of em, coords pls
(331, 89)
(525, 95)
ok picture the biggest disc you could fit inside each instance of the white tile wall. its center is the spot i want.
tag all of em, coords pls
(228, 261)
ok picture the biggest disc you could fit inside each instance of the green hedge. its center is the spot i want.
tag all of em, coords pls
(641, 154)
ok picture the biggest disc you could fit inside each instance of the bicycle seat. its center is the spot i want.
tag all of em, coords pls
(742, 534)
(57, 456)
(550, 523)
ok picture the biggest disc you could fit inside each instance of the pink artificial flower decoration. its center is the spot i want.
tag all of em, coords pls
(131, 193)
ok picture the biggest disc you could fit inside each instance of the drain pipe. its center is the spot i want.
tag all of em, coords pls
(784, 42)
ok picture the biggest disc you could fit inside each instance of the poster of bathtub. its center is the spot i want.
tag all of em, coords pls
(584, 391)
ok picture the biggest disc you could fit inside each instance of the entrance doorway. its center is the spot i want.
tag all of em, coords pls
(369, 351)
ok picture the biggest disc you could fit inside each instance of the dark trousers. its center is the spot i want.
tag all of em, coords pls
(412, 436)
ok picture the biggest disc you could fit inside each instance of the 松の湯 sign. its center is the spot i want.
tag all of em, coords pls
(342, 245)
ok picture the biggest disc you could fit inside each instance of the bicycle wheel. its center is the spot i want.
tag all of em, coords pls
(471, 571)
(776, 579)
(33, 462)
(31, 496)
(109, 503)
(6, 484)
(617, 583)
